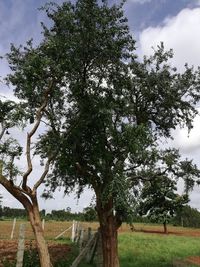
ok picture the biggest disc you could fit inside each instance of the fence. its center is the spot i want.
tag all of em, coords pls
(10, 229)
(86, 238)
(90, 247)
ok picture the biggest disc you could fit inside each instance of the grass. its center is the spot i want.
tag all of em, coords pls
(135, 249)
(152, 250)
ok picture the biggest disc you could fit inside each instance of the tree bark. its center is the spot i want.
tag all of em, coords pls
(165, 227)
(31, 205)
(108, 229)
(36, 224)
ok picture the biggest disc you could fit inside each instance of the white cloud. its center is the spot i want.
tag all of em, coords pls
(140, 1)
(188, 142)
(182, 33)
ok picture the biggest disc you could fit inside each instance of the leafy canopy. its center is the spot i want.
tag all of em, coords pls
(107, 110)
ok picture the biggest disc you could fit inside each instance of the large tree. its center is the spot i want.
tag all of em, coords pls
(120, 107)
(104, 110)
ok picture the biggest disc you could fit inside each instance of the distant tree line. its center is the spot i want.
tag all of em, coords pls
(7, 212)
(88, 214)
(186, 217)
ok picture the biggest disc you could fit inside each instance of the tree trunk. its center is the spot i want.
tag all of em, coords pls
(108, 229)
(42, 247)
(31, 205)
(165, 227)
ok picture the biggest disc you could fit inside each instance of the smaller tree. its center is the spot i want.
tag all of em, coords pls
(159, 199)
(160, 202)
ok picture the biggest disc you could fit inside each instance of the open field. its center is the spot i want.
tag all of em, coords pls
(153, 250)
(147, 247)
(53, 228)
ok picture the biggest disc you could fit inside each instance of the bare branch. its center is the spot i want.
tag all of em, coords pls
(11, 167)
(45, 172)
(39, 114)
(2, 131)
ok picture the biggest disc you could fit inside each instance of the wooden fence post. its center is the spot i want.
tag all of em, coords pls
(81, 239)
(89, 233)
(20, 250)
(76, 230)
(83, 252)
(13, 228)
(99, 259)
(91, 253)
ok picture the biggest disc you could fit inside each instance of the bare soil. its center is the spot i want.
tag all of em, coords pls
(179, 233)
(8, 250)
(194, 260)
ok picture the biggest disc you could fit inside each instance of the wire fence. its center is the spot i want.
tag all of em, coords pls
(52, 229)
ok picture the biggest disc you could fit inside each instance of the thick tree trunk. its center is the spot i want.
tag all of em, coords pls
(108, 229)
(165, 227)
(42, 247)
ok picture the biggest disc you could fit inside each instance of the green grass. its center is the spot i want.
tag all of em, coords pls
(152, 250)
(139, 250)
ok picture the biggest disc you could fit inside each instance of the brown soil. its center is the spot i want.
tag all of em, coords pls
(8, 250)
(183, 233)
(194, 260)
(187, 262)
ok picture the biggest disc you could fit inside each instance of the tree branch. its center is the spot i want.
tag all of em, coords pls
(17, 192)
(2, 131)
(39, 114)
(42, 177)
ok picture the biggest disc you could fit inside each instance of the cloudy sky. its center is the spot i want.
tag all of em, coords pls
(175, 22)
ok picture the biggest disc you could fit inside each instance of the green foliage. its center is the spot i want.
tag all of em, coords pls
(13, 213)
(114, 108)
(158, 198)
(89, 214)
(12, 114)
(31, 258)
(160, 202)
(106, 111)
(9, 151)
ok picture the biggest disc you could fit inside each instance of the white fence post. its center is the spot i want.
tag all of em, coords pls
(13, 228)
(73, 231)
(20, 250)
(43, 222)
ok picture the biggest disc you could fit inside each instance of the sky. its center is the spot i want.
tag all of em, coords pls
(174, 22)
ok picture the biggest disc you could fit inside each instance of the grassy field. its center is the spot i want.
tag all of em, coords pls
(136, 249)
(53, 228)
(154, 250)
